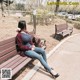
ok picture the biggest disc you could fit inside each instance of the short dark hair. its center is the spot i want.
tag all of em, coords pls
(22, 24)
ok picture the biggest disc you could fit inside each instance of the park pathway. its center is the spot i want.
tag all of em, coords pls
(65, 60)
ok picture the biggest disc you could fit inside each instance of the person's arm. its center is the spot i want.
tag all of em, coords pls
(20, 43)
(31, 42)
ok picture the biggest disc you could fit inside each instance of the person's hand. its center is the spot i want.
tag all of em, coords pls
(33, 47)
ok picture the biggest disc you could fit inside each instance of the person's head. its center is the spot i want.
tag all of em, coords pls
(22, 25)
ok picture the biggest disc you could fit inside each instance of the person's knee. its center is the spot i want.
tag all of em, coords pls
(40, 57)
(42, 51)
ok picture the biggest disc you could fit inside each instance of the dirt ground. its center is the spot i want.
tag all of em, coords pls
(8, 26)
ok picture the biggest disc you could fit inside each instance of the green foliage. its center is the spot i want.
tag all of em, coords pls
(44, 17)
(20, 7)
(78, 19)
(69, 21)
(8, 2)
(77, 25)
(41, 12)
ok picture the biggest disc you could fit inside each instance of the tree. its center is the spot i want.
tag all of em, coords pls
(20, 6)
(57, 5)
(1, 2)
(8, 3)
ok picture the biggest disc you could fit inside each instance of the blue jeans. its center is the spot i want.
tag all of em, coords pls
(39, 54)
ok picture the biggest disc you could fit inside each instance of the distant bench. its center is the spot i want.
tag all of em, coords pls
(63, 30)
(10, 58)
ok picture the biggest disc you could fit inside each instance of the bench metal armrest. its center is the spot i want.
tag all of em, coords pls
(60, 33)
(70, 28)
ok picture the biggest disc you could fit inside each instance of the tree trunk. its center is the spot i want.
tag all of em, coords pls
(57, 5)
(8, 7)
(2, 9)
(34, 23)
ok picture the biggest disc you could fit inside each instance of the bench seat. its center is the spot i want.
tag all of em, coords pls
(10, 58)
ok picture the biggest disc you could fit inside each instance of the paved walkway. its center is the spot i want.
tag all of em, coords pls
(65, 60)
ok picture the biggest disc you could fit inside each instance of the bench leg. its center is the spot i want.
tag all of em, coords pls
(70, 33)
(58, 37)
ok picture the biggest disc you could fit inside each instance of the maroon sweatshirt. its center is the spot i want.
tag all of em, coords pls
(20, 44)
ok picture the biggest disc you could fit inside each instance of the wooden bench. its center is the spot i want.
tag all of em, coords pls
(63, 30)
(10, 58)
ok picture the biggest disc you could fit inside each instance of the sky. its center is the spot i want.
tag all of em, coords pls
(44, 1)
(25, 1)
(21, 1)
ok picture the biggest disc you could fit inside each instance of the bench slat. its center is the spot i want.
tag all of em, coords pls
(14, 65)
(9, 61)
(6, 46)
(13, 62)
(18, 66)
(19, 62)
(16, 69)
(7, 41)
(7, 51)
(61, 27)
(7, 56)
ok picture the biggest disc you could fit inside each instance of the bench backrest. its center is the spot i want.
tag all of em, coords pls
(60, 27)
(7, 49)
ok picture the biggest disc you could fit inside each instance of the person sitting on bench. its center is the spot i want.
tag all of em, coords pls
(25, 44)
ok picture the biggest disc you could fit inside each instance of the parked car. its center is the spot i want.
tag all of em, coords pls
(71, 16)
(62, 13)
(77, 16)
